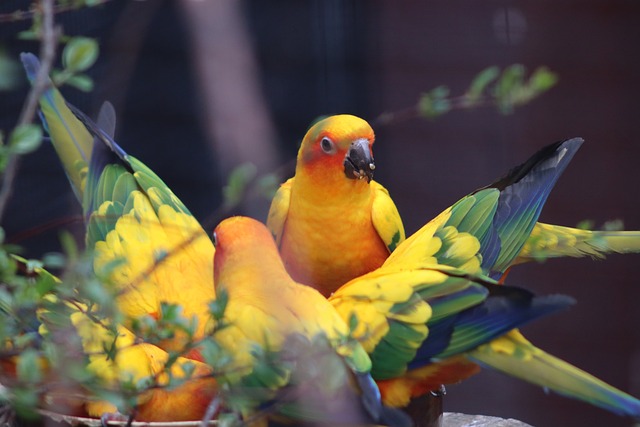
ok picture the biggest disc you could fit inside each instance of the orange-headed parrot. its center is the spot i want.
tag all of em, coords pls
(332, 205)
(332, 209)
(290, 354)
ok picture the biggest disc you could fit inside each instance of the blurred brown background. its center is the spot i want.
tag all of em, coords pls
(202, 86)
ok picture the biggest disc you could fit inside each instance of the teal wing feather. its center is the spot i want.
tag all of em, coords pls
(503, 215)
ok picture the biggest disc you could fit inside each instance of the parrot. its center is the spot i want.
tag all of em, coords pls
(144, 240)
(333, 209)
(280, 336)
(119, 363)
(401, 318)
(332, 203)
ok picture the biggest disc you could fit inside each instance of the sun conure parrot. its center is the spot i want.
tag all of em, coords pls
(120, 363)
(404, 318)
(290, 355)
(333, 205)
(145, 241)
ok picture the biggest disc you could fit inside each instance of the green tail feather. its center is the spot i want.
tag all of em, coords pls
(515, 356)
(71, 139)
(554, 241)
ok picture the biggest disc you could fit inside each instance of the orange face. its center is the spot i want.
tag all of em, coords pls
(339, 142)
(242, 238)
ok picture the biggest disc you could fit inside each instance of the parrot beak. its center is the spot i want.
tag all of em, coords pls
(358, 163)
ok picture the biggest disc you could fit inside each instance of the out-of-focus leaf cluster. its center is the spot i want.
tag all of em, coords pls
(507, 89)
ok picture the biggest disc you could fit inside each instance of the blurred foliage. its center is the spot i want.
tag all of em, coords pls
(243, 183)
(505, 89)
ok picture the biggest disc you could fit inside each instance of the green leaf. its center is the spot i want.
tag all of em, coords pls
(9, 71)
(586, 224)
(81, 82)
(434, 103)
(237, 183)
(268, 184)
(25, 139)
(218, 306)
(479, 85)
(28, 366)
(542, 80)
(508, 86)
(80, 53)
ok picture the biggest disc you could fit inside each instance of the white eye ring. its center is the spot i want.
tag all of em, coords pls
(328, 146)
(214, 238)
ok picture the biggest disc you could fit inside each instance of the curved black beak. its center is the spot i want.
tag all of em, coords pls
(358, 163)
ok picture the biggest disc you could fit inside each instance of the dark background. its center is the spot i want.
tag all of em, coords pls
(193, 86)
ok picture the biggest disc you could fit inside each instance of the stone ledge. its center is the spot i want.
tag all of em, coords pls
(454, 419)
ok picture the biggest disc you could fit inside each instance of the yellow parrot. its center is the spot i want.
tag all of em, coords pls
(332, 205)
(290, 354)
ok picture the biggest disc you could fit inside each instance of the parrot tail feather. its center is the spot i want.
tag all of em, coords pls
(555, 241)
(514, 355)
(71, 140)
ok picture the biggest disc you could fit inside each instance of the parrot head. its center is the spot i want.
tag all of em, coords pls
(244, 244)
(341, 142)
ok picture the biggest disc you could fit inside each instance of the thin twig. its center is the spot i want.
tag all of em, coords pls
(50, 36)
(21, 15)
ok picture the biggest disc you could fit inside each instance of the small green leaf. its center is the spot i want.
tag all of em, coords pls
(542, 80)
(9, 71)
(434, 103)
(218, 306)
(28, 366)
(81, 82)
(479, 84)
(80, 53)
(353, 322)
(237, 183)
(25, 139)
(268, 185)
(586, 224)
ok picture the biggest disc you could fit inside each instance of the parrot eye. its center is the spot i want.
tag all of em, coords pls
(214, 237)
(328, 146)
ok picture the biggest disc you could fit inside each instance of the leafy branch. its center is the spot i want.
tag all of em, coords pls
(506, 90)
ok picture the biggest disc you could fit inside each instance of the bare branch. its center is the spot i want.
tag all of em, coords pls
(50, 36)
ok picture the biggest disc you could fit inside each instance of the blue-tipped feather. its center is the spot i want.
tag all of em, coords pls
(523, 193)
(509, 308)
(514, 355)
